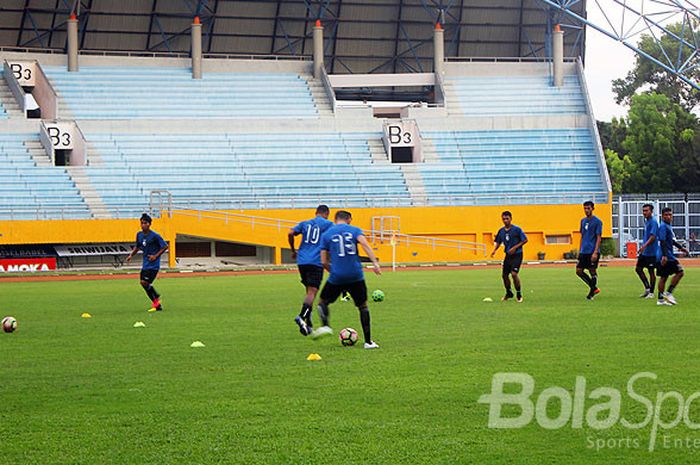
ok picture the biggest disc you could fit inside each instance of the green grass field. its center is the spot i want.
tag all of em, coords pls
(97, 390)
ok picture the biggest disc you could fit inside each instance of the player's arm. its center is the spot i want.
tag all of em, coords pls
(594, 255)
(496, 245)
(290, 237)
(326, 260)
(134, 250)
(651, 240)
(512, 250)
(362, 240)
(159, 253)
(681, 248)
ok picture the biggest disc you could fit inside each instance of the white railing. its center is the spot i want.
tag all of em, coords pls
(147, 54)
(593, 125)
(329, 88)
(503, 59)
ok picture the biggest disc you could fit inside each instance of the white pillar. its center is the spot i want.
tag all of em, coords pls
(196, 49)
(72, 43)
(558, 56)
(438, 49)
(318, 49)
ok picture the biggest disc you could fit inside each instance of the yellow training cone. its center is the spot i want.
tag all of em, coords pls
(313, 357)
(139, 324)
(197, 344)
(85, 315)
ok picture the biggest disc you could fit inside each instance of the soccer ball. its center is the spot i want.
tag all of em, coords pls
(378, 295)
(9, 324)
(348, 337)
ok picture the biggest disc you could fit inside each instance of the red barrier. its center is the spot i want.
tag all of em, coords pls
(27, 265)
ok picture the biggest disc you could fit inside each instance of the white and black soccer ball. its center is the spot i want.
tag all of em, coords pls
(9, 324)
(348, 337)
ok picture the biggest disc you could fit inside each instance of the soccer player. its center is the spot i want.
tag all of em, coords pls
(648, 252)
(309, 261)
(589, 253)
(513, 239)
(669, 263)
(339, 256)
(153, 246)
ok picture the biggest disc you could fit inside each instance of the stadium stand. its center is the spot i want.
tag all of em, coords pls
(35, 192)
(515, 95)
(514, 166)
(246, 170)
(112, 92)
(5, 95)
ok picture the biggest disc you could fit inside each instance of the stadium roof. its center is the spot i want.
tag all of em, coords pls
(361, 35)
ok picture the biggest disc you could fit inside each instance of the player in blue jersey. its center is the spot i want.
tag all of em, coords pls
(513, 239)
(647, 255)
(591, 233)
(308, 259)
(339, 254)
(668, 265)
(153, 246)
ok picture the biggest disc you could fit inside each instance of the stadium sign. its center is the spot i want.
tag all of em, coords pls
(27, 265)
(85, 250)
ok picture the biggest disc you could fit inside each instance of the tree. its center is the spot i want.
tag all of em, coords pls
(648, 75)
(660, 141)
(620, 169)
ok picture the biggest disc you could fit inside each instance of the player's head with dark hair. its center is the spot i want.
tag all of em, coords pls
(647, 210)
(343, 216)
(507, 218)
(588, 207)
(146, 221)
(667, 214)
(323, 211)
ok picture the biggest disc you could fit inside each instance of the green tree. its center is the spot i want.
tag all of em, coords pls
(620, 170)
(648, 75)
(659, 136)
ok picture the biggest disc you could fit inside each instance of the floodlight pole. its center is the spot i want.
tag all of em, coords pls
(558, 56)
(196, 49)
(438, 49)
(318, 49)
(72, 37)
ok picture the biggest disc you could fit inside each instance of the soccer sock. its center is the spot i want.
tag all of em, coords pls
(586, 279)
(323, 313)
(671, 288)
(594, 281)
(645, 281)
(661, 295)
(305, 311)
(364, 319)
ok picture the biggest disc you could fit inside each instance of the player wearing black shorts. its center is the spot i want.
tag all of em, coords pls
(339, 254)
(668, 265)
(591, 234)
(153, 246)
(309, 262)
(647, 255)
(513, 239)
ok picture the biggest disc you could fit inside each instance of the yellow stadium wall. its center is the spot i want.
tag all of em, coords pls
(473, 224)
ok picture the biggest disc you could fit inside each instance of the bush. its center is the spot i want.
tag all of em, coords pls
(608, 247)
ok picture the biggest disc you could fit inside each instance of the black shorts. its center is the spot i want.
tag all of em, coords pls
(358, 291)
(512, 263)
(311, 275)
(149, 275)
(645, 261)
(671, 267)
(584, 261)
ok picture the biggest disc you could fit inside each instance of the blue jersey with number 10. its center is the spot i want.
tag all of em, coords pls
(340, 242)
(311, 231)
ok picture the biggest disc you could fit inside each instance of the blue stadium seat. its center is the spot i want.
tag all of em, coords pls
(106, 92)
(31, 192)
(478, 96)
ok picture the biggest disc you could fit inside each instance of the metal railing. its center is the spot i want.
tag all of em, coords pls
(628, 222)
(503, 59)
(142, 54)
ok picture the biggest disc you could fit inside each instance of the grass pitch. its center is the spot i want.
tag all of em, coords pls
(97, 390)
